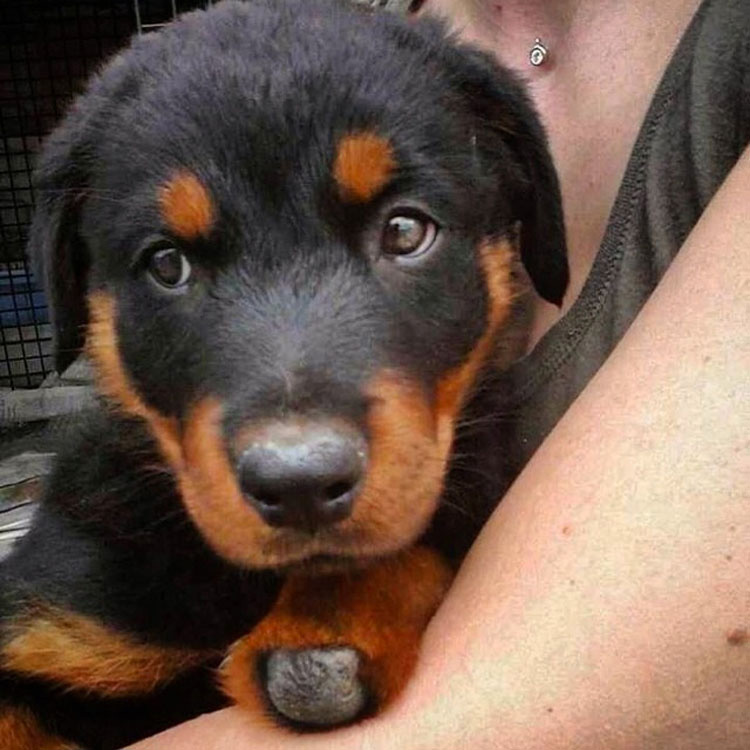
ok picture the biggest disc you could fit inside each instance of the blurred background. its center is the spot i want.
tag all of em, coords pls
(47, 50)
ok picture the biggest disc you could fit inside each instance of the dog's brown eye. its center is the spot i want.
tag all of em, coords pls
(408, 235)
(169, 267)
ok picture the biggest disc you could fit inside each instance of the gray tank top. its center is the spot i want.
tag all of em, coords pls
(696, 127)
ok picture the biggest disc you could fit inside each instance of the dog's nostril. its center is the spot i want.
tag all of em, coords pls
(338, 489)
(271, 501)
(302, 473)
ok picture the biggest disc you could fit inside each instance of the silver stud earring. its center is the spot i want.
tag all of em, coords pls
(538, 53)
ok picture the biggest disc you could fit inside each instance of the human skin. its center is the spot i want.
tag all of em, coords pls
(606, 60)
(605, 604)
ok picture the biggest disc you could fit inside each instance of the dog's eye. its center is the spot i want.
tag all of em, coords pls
(408, 234)
(169, 267)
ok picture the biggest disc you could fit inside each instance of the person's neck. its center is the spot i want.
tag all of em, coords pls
(535, 14)
(529, 17)
(509, 27)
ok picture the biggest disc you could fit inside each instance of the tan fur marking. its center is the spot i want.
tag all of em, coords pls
(497, 262)
(406, 466)
(78, 652)
(113, 380)
(210, 491)
(403, 483)
(409, 448)
(186, 206)
(19, 730)
(382, 611)
(363, 165)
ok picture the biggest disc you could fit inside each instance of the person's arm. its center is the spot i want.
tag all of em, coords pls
(606, 603)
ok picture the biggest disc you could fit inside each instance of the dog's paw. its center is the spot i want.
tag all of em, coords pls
(315, 687)
(338, 648)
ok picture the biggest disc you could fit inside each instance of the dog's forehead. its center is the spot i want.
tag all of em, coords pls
(216, 123)
(216, 92)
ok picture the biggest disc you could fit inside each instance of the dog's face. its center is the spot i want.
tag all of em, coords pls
(286, 232)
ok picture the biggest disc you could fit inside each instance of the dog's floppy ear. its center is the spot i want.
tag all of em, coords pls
(61, 180)
(500, 102)
(55, 249)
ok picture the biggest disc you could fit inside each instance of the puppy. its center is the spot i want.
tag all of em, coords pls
(290, 235)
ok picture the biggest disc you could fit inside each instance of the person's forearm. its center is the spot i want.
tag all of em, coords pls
(606, 602)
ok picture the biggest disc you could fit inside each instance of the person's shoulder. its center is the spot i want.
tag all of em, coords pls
(718, 59)
(722, 34)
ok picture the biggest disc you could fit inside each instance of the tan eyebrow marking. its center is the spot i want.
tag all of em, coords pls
(186, 205)
(363, 165)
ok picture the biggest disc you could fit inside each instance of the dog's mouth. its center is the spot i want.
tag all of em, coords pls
(325, 564)
(337, 549)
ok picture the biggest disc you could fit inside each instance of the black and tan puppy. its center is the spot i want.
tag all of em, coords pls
(287, 233)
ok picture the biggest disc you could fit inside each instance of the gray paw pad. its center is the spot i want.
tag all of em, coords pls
(317, 686)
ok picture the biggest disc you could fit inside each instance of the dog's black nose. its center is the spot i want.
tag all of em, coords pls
(302, 474)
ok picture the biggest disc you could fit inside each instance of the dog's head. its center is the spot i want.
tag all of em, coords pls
(284, 232)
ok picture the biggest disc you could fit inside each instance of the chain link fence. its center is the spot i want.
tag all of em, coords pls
(47, 49)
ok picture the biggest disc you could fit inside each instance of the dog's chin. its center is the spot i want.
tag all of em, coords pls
(326, 565)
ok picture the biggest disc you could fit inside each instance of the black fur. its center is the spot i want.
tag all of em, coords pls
(252, 97)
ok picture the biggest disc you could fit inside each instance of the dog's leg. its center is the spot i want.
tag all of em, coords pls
(59, 668)
(338, 647)
(71, 672)
(20, 730)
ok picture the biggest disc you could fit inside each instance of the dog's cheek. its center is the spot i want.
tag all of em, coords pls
(210, 491)
(196, 454)
(496, 261)
(406, 466)
(411, 435)
(115, 384)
